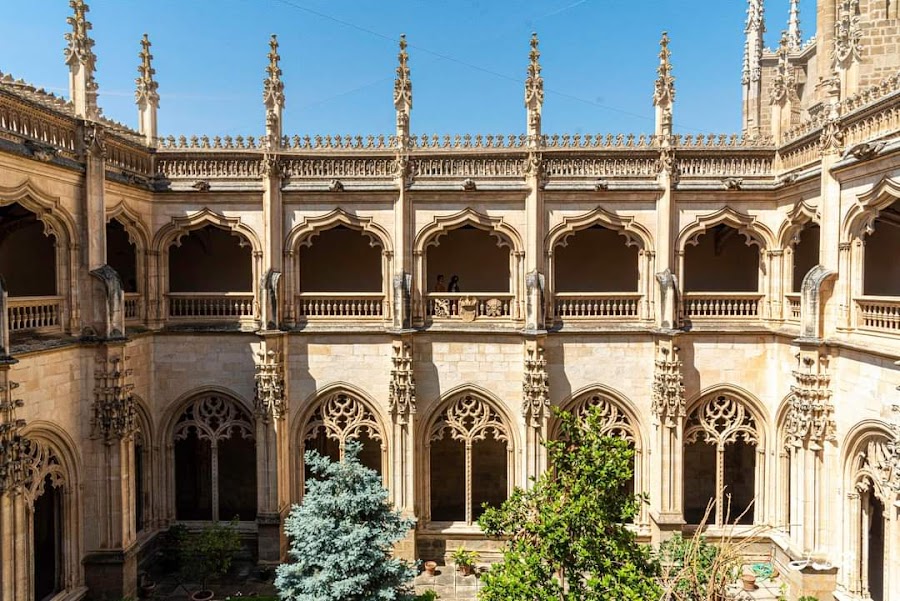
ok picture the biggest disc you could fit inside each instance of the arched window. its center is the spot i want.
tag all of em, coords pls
(806, 254)
(721, 440)
(341, 417)
(215, 460)
(881, 275)
(596, 259)
(721, 261)
(121, 255)
(615, 422)
(469, 459)
(211, 259)
(23, 235)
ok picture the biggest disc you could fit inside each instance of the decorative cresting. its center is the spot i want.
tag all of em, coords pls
(147, 87)
(213, 417)
(810, 418)
(82, 62)
(403, 94)
(847, 34)
(402, 388)
(535, 387)
(269, 400)
(613, 420)
(667, 401)
(114, 414)
(14, 448)
(720, 420)
(784, 83)
(534, 92)
(342, 417)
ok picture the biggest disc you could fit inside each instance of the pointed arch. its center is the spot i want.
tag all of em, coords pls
(179, 226)
(48, 209)
(802, 214)
(749, 226)
(306, 231)
(635, 234)
(621, 418)
(860, 219)
(137, 230)
(497, 227)
(868, 450)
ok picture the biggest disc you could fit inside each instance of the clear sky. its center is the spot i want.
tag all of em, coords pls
(468, 60)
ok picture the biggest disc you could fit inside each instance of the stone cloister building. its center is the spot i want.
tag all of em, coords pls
(182, 317)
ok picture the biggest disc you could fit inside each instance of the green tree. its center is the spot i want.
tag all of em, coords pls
(567, 534)
(342, 535)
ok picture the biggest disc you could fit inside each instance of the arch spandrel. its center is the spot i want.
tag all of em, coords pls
(505, 234)
(305, 232)
(171, 233)
(754, 231)
(47, 208)
(635, 234)
(860, 219)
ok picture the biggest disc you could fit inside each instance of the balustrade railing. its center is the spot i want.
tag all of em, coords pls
(132, 306)
(35, 313)
(792, 307)
(211, 305)
(721, 305)
(469, 306)
(881, 313)
(597, 305)
(341, 305)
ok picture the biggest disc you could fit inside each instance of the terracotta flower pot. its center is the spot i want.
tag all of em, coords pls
(430, 567)
(749, 582)
(202, 596)
(466, 570)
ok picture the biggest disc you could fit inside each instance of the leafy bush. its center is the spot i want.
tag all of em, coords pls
(208, 555)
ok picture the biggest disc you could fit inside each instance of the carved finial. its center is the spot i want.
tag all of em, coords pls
(754, 30)
(665, 83)
(273, 87)
(784, 82)
(82, 62)
(145, 94)
(403, 93)
(534, 90)
(795, 38)
(273, 95)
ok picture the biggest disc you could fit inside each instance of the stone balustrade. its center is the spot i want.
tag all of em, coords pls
(132, 306)
(881, 313)
(596, 305)
(792, 307)
(721, 305)
(35, 313)
(211, 305)
(341, 305)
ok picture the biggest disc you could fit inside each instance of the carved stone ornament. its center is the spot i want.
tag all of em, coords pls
(733, 183)
(667, 164)
(146, 92)
(784, 84)
(847, 34)
(535, 387)
(667, 400)
(42, 152)
(613, 421)
(201, 185)
(94, 140)
(269, 400)
(273, 87)
(80, 51)
(214, 417)
(810, 417)
(271, 166)
(719, 421)
(468, 308)
(534, 88)
(403, 86)
(865, 150)
(469, 185)
(402, 388)
(832, 138)
(14, 457)
(664, 90)
(493, 307)
(469, 419)
(114, 413)
(601, 185)
(342, 417)
(335, 185)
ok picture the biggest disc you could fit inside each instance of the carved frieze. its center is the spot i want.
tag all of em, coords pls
(667, 403)
(14, 455)
(536, 386)
(269, 400)
(402, 388)
(114, 412)
(810, 418)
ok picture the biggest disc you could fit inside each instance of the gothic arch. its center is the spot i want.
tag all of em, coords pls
(505, 234)
(860, 219)
(634, 233)
(305, 232)
(801, 215)
(749, 226)
(868, 449)
(620, 416)
(138, 232)
(724, 417)
(340, 412)
(467, 415)
(179, 226)
(48, 209)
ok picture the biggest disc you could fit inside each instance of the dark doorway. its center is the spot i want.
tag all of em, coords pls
(47, 541)
(875, 569)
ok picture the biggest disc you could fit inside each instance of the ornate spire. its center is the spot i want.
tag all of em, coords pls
(783, 84)
(273, 90)
(273, 95)
(403, 92)
(754, 30)
(847, 34)
(145, 94)
(534, 90)
(82, 62)
(665, 83)
(795, 39)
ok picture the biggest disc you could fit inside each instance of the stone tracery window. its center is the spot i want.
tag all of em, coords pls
(721, 440)
(470, 460)
(213, 431)
(339, 418)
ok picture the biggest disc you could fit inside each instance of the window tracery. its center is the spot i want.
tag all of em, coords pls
(614, 422)
(342, 417)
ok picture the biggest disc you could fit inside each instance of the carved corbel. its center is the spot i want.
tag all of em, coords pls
(112, 317)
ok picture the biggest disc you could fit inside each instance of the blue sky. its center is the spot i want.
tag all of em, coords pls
(468, 60)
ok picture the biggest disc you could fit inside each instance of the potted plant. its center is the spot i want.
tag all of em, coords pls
(208, 556)
(464, 560)
(430, 567)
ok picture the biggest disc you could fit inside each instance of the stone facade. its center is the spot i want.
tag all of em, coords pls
(168, 320)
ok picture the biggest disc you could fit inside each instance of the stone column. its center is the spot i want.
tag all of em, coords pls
(535, 408)
(402, 405)
(272, 446)
(110, 562)
(15, 579)
(667, 480)
(401, 280)
(535, 218)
